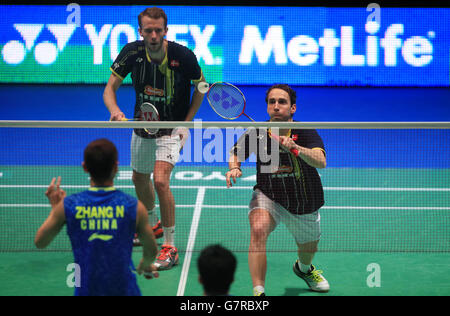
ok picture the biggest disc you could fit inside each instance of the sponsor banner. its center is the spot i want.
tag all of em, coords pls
(242, 45)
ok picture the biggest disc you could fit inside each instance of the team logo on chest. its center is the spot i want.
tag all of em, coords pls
(149, 90)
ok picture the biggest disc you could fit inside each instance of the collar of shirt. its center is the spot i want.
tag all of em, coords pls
(106, 189)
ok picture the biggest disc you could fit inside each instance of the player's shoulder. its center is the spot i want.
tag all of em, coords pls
(305, 134)
(304, 131)
(176, 47)
(134, 47)
(178, 51)
(125, 196)
(75, 198)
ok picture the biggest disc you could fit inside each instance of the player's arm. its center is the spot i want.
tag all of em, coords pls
(234, 166)
(147, 238)
(239, 152)
(314, 157)
(197, 99)
(110, 97)
(56, 219)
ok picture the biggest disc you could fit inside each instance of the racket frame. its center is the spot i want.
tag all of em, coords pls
(234, 87)
(151, 132)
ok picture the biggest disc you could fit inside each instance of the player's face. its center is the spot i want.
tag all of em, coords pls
(153, 32)
(279, 105)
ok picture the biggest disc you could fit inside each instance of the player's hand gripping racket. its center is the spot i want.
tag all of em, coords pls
(229, 102)
(148, 113)
(277, 138)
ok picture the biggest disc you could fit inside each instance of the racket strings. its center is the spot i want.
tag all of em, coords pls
(227, 101)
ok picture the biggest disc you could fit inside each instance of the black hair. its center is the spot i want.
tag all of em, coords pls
(285, 87)
(100, 158)
(216, 266)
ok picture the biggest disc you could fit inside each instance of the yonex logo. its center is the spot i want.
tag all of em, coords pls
(227, 100)
(45, 53)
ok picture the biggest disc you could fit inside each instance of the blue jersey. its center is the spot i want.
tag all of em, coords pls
(101, 223)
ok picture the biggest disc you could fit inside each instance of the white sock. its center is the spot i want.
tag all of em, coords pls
(258, 289)
(153, 217)
(169, 235)
(304, 268)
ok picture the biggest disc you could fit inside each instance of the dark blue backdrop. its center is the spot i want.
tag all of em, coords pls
(84, 102)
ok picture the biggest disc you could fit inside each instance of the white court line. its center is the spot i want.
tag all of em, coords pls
(191, 240)
(326, 207)
(48, 205)
(247, 187)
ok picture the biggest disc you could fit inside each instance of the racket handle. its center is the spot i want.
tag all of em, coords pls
(292, 150)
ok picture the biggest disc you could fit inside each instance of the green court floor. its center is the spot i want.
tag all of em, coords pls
(397, 219)
(45, 274)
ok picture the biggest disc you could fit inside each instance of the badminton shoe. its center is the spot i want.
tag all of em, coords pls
(258, 293)
(168, 257)
(313, 278)
(157, 231)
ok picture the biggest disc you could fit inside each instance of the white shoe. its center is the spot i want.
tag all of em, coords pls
(313, 278)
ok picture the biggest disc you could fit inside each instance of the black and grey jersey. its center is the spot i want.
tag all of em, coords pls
(167, 85)
(291, 182)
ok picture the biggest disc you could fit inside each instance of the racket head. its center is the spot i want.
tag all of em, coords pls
(226, 100)
(149, 113)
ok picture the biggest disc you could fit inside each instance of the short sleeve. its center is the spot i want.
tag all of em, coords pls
(189, 66)
(309, 138)
(123, 65)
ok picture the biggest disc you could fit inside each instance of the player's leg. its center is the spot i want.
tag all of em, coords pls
(304, 268)
(306, 252)
(261, 225)
(142, 160)
(161, 178)
(167, 155)
(144, 189)
(306, 231)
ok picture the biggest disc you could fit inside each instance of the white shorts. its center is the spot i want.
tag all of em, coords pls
(146, 151)
(305, 228)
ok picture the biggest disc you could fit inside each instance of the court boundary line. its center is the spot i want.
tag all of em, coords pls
(191, 240)
(325, 207)
(248, 187)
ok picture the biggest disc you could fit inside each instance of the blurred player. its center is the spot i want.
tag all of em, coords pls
(216, 266)
(101, 223)
(291, 192)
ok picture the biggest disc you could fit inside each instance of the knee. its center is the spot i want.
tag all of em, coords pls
(259, 232)
(161, 184)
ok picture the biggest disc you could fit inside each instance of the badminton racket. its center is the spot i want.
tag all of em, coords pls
(149, 113)
(229, 103)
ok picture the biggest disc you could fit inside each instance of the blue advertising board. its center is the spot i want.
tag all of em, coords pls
(243, 45)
